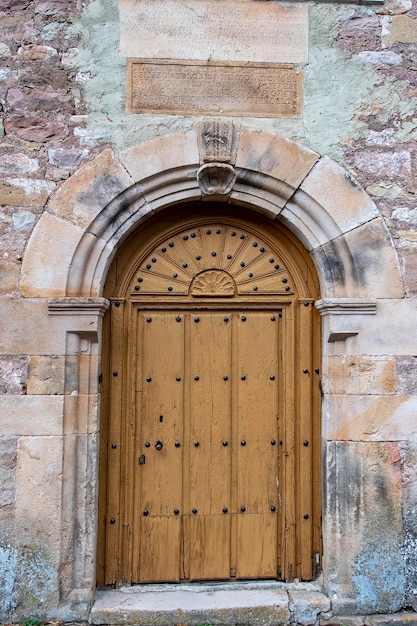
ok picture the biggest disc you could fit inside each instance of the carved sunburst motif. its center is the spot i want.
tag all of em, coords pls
(213, 283)
(176, 267)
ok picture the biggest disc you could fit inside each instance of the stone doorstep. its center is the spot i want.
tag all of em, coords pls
(217, 604)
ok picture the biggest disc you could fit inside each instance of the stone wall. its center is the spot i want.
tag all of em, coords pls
(62, 106)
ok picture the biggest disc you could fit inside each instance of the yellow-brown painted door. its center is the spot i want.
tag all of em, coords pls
(206, 494)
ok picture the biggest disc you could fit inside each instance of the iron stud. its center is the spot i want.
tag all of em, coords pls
(149, 320)
(276, 267)
(114, 446)
(137, 288)
(243, 442)
(226, 319)
(218, 231)
(273, 442)
(317, 371)
(112, 521)
(178, 378)
(242, 264)
(196, 444)
(242, 236)
(273, 318)
(262, 249)
(171, 244)
(117, 304)
(243, 509)
(225, 443)
(272, 377)
(169, 288)
(174, 275)
(159, 445)
(176, 511)
(153, 260)
(229, 256)
(273, 509)
(285, 280)
(185, 265)
(146, 512)
(272, 260)
(196, 377)
(163, 249)
(243, 318)
(194, 511)
(140, 280)
(198, 257)
(148, 267)
(196, 319)
(148, 379)
(148, 444)
(287, 288)
(306, 516)
(225, 509)
(305, 371)
(255, 288)
(225, 378)
(255, 245)
(185, 237)
(192, 235)
(305, 443)
(178, 319)
(233, 234)
(208, 232)
(115, 374)
(243, 378)
(177, 444)
(214, 254)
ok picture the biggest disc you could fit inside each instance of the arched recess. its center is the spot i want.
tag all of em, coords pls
(72, 247)
(210, 446)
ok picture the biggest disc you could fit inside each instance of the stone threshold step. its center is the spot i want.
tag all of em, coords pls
(217, 604)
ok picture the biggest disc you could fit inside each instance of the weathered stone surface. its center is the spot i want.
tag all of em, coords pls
(370, 417)
(361, 33)
(46, 76)
(399, 29)
(25, 192)
(360, 375)
(5, 51)
(66, 157)
(283, 160)
(38, 521)
(31, 415)
(223, 606)
(14, 5)
(386, 57)
(90, 189)
(363, 543)
(33, 128)
(18, 163)
(13, 374)
(38, 101)
(400, 619)
(407, 374)
(46, 375)
(160, 154)
(37, 52)
(384, 165)
(307, 606)
(53, 7)
(9, 273)
(409, 262)
(343, 198)
(48, 256)
(23, 220)
(266, 32)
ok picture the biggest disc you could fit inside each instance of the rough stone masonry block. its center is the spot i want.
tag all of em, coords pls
(90, 189)
(13, 374)
(360, 375)
(46, 375)
(7, 485)
(38, 524)
(363, 534)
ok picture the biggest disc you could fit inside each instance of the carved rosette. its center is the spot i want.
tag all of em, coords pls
(213, 283)
(216, 178)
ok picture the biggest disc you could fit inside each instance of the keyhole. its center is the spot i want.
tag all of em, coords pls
(161, 419)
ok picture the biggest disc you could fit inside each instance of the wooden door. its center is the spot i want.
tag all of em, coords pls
(214, 407)
(207, 416)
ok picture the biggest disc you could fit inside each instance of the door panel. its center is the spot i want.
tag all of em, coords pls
(160, 549)
(256, 545)
(207, 547)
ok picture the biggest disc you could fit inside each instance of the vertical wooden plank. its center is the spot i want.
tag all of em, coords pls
(304, 443)
(287, 448)
(160, 380)
(257, 439)
(209, 540)
(160, 541)
(256, 545)
(113, 520)
(209, 445)
(316, 443)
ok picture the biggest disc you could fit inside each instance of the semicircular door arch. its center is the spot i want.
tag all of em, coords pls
(210, 462)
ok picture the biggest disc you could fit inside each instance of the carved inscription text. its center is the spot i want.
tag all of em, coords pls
(183, 87)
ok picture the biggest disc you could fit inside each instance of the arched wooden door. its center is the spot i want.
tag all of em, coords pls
(210, 449)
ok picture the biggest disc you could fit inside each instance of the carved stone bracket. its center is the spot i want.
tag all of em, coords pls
(342, 316)
(217, 142)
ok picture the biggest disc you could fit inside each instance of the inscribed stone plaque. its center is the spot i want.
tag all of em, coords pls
(214, 30)
(181, 87)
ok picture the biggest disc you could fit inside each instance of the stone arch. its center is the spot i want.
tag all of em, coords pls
(86, 221)
(106, 199)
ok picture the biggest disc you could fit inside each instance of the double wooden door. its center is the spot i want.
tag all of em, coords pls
(210, 431)
(207, 412)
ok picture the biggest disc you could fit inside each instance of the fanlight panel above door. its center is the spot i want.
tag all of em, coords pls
(212, 260)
